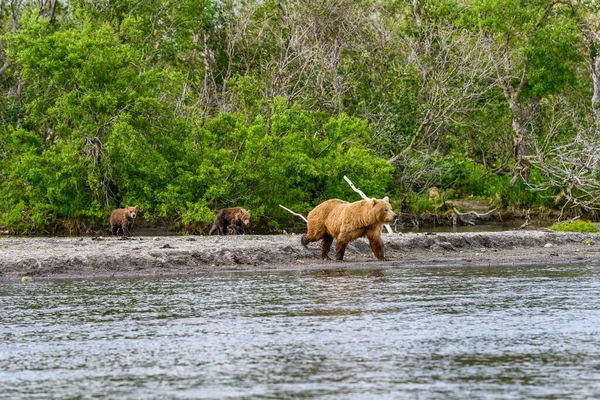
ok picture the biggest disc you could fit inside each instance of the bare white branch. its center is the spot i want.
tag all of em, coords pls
(295, 213)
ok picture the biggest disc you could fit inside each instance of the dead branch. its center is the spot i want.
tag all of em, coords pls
(295, 213)
(357, 190)
(527, 221)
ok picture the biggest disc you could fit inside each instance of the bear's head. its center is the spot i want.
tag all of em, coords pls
(383, 210)
(131, 212)
(245, 217)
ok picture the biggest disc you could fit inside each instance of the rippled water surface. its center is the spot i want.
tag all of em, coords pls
(494, 332)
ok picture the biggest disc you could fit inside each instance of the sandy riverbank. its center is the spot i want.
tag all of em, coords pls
(42, 257)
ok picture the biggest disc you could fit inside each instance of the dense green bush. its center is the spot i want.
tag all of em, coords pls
(186, 107)
(575, 226)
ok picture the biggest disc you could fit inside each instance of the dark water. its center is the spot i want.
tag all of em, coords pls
(443, 333)
(462, 228)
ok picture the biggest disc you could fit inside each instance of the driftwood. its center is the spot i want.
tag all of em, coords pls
(459, 216)
(365, 197)
(473, 213)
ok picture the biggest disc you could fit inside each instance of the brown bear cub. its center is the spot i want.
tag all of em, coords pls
(230, 219)
(345, 222)
(122, 218)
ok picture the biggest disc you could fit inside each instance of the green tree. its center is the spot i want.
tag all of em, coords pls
(534, 48)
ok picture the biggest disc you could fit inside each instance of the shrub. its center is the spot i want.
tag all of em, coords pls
(575, 226)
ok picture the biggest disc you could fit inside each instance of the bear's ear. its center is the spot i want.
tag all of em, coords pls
(374, 202)
(386, 199)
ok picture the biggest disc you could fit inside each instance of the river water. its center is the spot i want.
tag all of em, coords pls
(426, 333)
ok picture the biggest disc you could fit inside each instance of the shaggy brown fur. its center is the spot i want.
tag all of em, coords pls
(345, 222)
(235, 218)
(122, 218)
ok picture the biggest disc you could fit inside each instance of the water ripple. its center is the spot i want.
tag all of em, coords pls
(427, 333)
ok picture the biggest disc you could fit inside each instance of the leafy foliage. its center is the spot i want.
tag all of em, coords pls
(575, 226)
(186, 107)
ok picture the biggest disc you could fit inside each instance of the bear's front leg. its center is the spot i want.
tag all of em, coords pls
(376, 244)
(125, 229)
(237, 228)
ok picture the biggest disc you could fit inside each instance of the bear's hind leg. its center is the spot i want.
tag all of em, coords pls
(325, 246)
(340, 247)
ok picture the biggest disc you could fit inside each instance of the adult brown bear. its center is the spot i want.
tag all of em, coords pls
(235, 218)
(123, 218)
(345, 222)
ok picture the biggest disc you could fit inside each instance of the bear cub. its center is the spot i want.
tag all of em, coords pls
(122, 219)
(230, 219)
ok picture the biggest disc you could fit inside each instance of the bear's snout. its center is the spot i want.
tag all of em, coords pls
(392, 216)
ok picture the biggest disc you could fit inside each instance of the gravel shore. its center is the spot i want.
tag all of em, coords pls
(87, 257)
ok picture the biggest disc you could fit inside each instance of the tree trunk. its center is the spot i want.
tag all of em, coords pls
(595, 67)
(521, 165)
(51, 10)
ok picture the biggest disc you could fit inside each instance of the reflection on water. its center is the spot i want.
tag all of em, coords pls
(502, 332)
